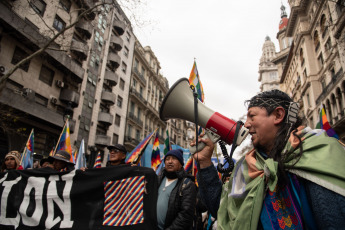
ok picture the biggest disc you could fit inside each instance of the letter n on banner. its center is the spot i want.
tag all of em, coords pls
(123, 201)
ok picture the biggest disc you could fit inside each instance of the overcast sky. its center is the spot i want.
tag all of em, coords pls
(225, 37)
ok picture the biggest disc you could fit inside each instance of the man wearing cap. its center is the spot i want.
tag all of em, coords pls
(117, 155)
(176, 194)
(11, 162)
(61, 161)
(294, 178)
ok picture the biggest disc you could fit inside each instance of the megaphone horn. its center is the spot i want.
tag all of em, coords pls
(179, 104)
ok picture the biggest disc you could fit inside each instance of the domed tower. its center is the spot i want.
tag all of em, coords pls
(284, 42)
(268, 72)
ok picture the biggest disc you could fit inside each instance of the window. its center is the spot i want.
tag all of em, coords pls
(124, 67)
(308, 99)
(137, 134)
(129, 130)
(301, 57)
(122, 84)
(321, 61)
(136, 63)
(46, 75)
(126, 51)
(65, 4)
(119, 101)
(39, 6)
(115, 139)
(316, 40)
(19, 55)
(39, 99)
(117, 120)
(134, 83)
(59, 24)
(128, 36)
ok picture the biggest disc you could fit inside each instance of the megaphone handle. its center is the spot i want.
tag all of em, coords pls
(210, 135)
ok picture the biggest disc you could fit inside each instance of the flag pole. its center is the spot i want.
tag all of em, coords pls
(57, 145)
(21, 160)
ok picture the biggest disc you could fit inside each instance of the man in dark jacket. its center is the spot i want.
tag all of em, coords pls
(176, 194)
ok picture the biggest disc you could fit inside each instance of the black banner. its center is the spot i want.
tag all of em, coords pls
(121, 197)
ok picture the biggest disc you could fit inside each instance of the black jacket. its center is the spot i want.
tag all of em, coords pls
(181, 207)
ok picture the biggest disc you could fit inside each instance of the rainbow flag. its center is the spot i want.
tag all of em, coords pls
(194, 80)
(98, 161)
(156, 154)
(323, 124)
(65, 141)
(27, 159)
(189, 164)
(135, 155)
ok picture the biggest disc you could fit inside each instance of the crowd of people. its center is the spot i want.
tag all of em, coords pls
(293, 178)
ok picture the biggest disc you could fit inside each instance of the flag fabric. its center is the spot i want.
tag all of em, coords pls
(167, 144)
(98, 161)
(135, 155)
(323, 124)
(51, 152)
(194, 80)
(65, 141)
(156, 154)
(189, 164)
(80, 161)
(27, 159)
(124, 203)
(160, 168)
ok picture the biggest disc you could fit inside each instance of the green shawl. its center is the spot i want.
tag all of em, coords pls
(322, 162)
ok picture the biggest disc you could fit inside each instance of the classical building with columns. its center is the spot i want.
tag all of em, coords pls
(313, 72)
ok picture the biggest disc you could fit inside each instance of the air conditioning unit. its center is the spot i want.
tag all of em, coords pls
(54, 100)
(3, 70)
(60, 84)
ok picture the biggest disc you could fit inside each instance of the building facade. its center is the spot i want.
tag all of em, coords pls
(84, 73)
(313, 73)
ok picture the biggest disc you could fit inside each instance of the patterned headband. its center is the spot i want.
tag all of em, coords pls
(268, 103)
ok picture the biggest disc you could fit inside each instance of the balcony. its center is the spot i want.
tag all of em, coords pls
(116, 43)
(119, 27)
(139, 75)
(102, 140)
(111, 77)
(108, 97)
(114, 60)
(105, 118)
(335, 78)
(68, 95)
(80, 49)
(85, 5)
(84, 27)
(137, 95)
(135, 119)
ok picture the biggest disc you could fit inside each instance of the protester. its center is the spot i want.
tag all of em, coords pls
(61, 161)
(176, 194)
(46, 162)
(117, 155)
(294, 178)
(11, 161)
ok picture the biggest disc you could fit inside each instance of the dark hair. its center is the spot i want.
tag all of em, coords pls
(270, 100)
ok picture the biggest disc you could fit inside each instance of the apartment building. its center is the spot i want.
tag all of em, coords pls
(83, 74)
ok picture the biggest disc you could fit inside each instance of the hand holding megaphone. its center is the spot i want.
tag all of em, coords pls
(179, 104)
